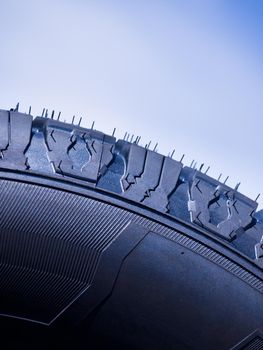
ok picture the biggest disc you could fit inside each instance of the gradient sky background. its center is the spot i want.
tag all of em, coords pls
(186, 74)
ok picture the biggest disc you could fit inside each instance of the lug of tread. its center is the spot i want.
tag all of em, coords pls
(219, 208)
(16, 136)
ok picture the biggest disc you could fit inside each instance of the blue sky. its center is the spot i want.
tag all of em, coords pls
(185, 74)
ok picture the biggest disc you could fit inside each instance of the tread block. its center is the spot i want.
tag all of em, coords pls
(106, 156)
(20, 130)
(143, 171)
(16, 135)
(158, 198)
(149, 180)
(208, 196)
(59, 143)
(134, 157)
(110, 179)
(178, 201)
(36, 154)
(74, 151)
(148, 176)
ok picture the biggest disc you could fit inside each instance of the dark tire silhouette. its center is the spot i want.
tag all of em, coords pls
(105, 244)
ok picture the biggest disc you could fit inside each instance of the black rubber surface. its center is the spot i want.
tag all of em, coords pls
(112, 245)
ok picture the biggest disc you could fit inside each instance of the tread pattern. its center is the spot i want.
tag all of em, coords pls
(136, 173)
